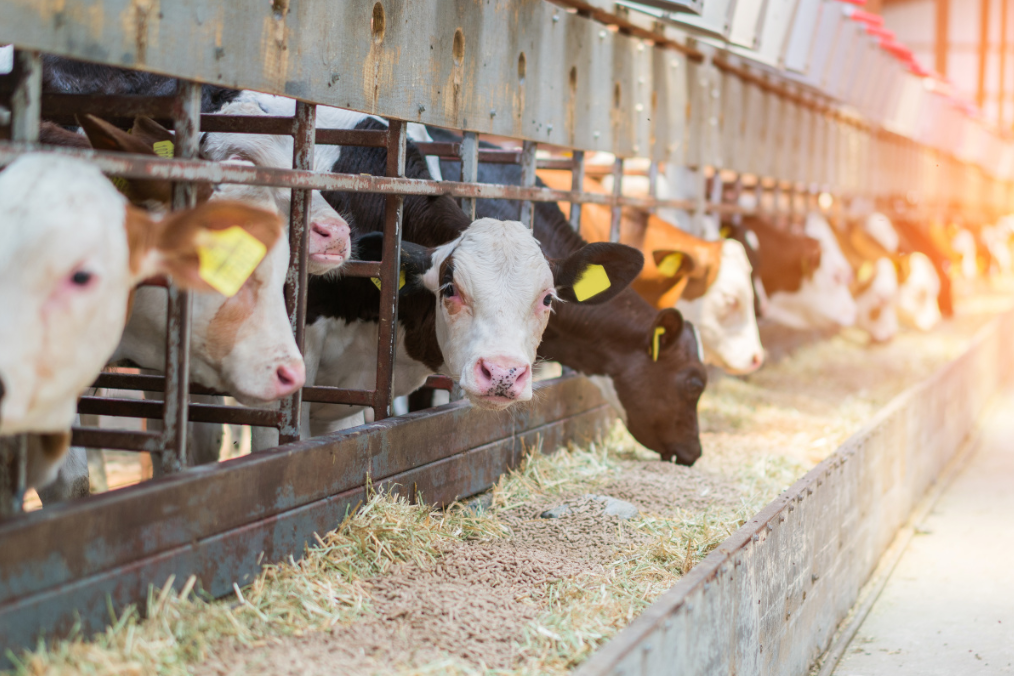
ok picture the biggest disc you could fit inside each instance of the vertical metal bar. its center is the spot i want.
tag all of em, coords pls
(13, 473)
(389, 273)
(653, 182)
(576, 185)
(26, 99)
(737, 190)
(941, 36)
(304, 126)
(187, 123)
(983, 52)
(617, 210)
(469, 168)
(528, 180)
(1003, 64)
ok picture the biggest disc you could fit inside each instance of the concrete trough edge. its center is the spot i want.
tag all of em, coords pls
(770, 598)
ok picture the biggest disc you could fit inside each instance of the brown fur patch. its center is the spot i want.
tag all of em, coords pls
(225, 325)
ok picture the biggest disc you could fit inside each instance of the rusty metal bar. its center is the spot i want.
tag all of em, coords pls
(120, 440)
(143, 166)
(528, 180)
(1002, 85)
(144, 383)
(941, 39)
(337, 395)
(25, 100)
(980, 90)
(152, 410)
(576, 186)
(296, 276)
(617, 209)
(13, 473)
(186, 116)
(387, 331)
(469, 169)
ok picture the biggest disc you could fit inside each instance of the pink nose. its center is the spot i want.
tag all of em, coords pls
(289, 378)
(757, 360)
(501, 377)
(329, 236)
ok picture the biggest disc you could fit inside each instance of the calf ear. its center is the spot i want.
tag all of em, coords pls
(665, 332)
(104, 136)
(672, 263)
(215, 246)
(597, 272)
(415, 259)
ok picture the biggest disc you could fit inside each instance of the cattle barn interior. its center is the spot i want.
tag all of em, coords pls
(519, 336)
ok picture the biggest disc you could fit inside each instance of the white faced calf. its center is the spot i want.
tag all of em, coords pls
(71, 252)
(725, 315)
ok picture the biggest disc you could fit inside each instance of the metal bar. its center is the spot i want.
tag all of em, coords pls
(1003, 65)
(186, 117)
(13, 473)
(469, 169)
(387, 331)
(576, 186)
(120, 440)
(143, 383)
(337, 395)
(25, 100)
(528, 180)
(152, 410)
(653, 179)
(941, 36)
(296, 276)
(143, 166)
(980, 91)
(617, 209)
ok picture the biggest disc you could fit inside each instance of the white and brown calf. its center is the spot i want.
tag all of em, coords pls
(71, 252)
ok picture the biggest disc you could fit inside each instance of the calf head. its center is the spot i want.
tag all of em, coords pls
(659, 385)
(725, 315)
(71, 252)
(494, 291)
(329, 232)
(917, 296)
(875, 299)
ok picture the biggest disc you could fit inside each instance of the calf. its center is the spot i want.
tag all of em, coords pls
(875, 280)
(913, 238)
(806, 278)
(651, 359)
(64, 312)
(709, 282)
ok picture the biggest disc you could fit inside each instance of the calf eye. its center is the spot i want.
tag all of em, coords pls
(448, 290)
(694, 387)
(548, 300)
(81, 278)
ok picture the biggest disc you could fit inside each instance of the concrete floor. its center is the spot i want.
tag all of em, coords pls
(948, 607)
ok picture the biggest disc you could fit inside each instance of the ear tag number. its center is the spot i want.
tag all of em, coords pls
(228, 257)
(592, 282)
(670, 265)
(164, 149)
(120, 183)
(659, 331)
(401, 281)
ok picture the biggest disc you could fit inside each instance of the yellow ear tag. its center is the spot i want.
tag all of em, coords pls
(865, 272)
(401, 281)
(164, 149)
(659, 330)
(670, 265)
(228, 257)
(725, 232)
(592, 282)
(120, 183)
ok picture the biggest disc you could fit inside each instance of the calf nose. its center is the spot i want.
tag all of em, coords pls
(502, 377)
(329, 236)
(757, 360)
(289, 378)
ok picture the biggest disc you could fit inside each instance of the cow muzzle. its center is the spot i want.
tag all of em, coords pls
(498, 382)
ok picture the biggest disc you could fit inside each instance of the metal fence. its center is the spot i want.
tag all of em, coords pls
(809, 102)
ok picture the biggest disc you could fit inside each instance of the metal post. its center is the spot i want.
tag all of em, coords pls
(983, 51)
(304, 130)
(1003, 63)
(576, 185)
(653, 182)
(26, 100)
(941, 38)
(528, 180)
(617, 210)
(187, 121)
(389, 273)
(13, 473)
(469, 168)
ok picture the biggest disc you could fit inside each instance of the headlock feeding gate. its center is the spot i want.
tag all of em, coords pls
(791, 99)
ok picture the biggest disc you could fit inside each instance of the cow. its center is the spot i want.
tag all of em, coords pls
(71, 252)
(807, 278)
(651, 360)
(875, 280)
(708, 281)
